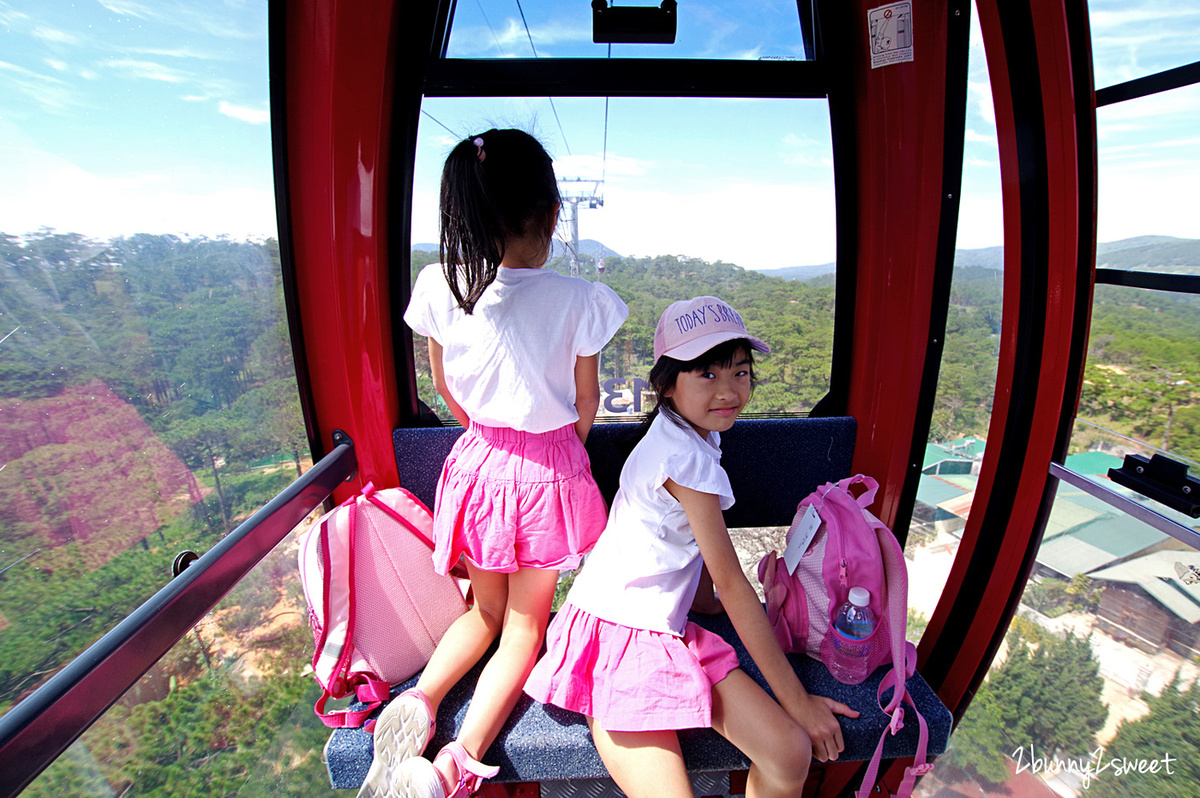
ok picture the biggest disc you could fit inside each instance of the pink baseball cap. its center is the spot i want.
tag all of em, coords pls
(690, 328)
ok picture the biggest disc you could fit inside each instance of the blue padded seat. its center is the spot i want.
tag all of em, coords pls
(772, 464)
(545, 743)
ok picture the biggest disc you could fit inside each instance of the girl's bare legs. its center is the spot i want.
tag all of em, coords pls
(467, 639)
(643, 764)
(530, 593)
(518, 604)
(779, 750)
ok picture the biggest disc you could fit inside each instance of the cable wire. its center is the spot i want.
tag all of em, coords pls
(529, 35)
(435, 119)
(488, 22)
(604, 157)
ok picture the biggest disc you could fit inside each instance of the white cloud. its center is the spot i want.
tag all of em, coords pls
(48, 190)
(9, 15)
(508, 38)
(1145, 196)
(980, 138)
(129, 8)
(591, 167)
(756, 226)
(149, 70)
(189, 16)
(56, 64)
(254, 116)
(49, 92)
(805, 151)
(54, 36)
(178, 52)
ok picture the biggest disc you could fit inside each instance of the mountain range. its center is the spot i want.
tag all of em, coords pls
(587, 246)
(1142, 253)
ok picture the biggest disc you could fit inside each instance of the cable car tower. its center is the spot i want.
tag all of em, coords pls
(594, 199)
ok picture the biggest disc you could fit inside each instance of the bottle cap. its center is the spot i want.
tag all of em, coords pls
(860, 596)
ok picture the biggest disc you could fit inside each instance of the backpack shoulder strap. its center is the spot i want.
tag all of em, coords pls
(920, 765)
(895, 575)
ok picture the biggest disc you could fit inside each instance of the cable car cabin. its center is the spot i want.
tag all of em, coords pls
(871, 104)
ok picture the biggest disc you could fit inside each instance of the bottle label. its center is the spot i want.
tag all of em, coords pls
(849, 646)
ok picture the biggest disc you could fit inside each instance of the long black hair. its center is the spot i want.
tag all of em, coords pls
(667, 369)
(495, 186)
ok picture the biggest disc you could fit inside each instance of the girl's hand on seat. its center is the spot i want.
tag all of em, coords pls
(817, 715)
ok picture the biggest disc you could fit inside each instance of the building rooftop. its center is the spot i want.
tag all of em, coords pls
(1157, 575)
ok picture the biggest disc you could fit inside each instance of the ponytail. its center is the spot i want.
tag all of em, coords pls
(495, 186)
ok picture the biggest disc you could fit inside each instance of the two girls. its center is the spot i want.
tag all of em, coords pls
(513, 352)
(621, 651)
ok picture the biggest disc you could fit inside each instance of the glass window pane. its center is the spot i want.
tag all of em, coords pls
(1141, 384)
(1148, 163)
(148, 400)
(734, 29)
(679, 198)
(1135, 38)
(1098, 668)
(228, 711)
(967, 379)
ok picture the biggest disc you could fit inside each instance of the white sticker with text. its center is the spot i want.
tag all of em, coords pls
(891, 33)
(803, 535)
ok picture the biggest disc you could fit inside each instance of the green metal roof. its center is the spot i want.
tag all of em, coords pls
(962, 449)
(1155, 573)
(1093, 463)
(935, 490)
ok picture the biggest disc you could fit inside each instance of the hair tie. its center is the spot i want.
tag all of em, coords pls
(478, 142)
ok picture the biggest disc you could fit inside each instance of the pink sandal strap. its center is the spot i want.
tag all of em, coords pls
(470, 772)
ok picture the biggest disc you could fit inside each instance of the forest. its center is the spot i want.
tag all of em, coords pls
(1044, 700)
(148, 403)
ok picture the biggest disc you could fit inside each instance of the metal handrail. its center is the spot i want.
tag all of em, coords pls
(1141, 512)
(38, 729)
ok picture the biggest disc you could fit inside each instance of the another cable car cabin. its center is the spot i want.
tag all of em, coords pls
(1029, 549)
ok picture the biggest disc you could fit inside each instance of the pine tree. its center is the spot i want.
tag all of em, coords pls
(1049, 695)
(1171, 729)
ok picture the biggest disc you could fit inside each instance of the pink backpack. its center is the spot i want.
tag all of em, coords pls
(376, 606)
(850, 548)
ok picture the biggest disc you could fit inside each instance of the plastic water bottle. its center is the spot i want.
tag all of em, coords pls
(852, 625)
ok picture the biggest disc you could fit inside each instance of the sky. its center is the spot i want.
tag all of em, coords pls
(127, 116)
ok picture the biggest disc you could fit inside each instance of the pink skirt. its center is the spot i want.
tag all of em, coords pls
(630, 680)
(508, 499)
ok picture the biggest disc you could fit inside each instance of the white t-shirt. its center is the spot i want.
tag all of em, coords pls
(511, 363)
(644, 571)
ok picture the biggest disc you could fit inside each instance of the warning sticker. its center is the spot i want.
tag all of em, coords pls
(890, 29)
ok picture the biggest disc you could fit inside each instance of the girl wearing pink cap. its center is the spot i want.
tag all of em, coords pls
(513, 351)
(621, 651)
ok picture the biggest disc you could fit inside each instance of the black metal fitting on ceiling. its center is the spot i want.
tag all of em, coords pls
(633, 24)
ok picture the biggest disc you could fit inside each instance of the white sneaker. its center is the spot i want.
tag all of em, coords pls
(402, 732)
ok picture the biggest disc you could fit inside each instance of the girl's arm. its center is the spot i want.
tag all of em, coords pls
(706, 601)
(814, 714)
(439, 382)
(587, 393)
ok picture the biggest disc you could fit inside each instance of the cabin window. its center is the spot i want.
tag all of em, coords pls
(1134, 39)
(673, 198)
(967, 376)
(148, 400)
(734, 29)
(1107, 623)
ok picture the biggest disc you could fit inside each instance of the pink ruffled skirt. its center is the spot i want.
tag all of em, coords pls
(508, 499)
(630, 679)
